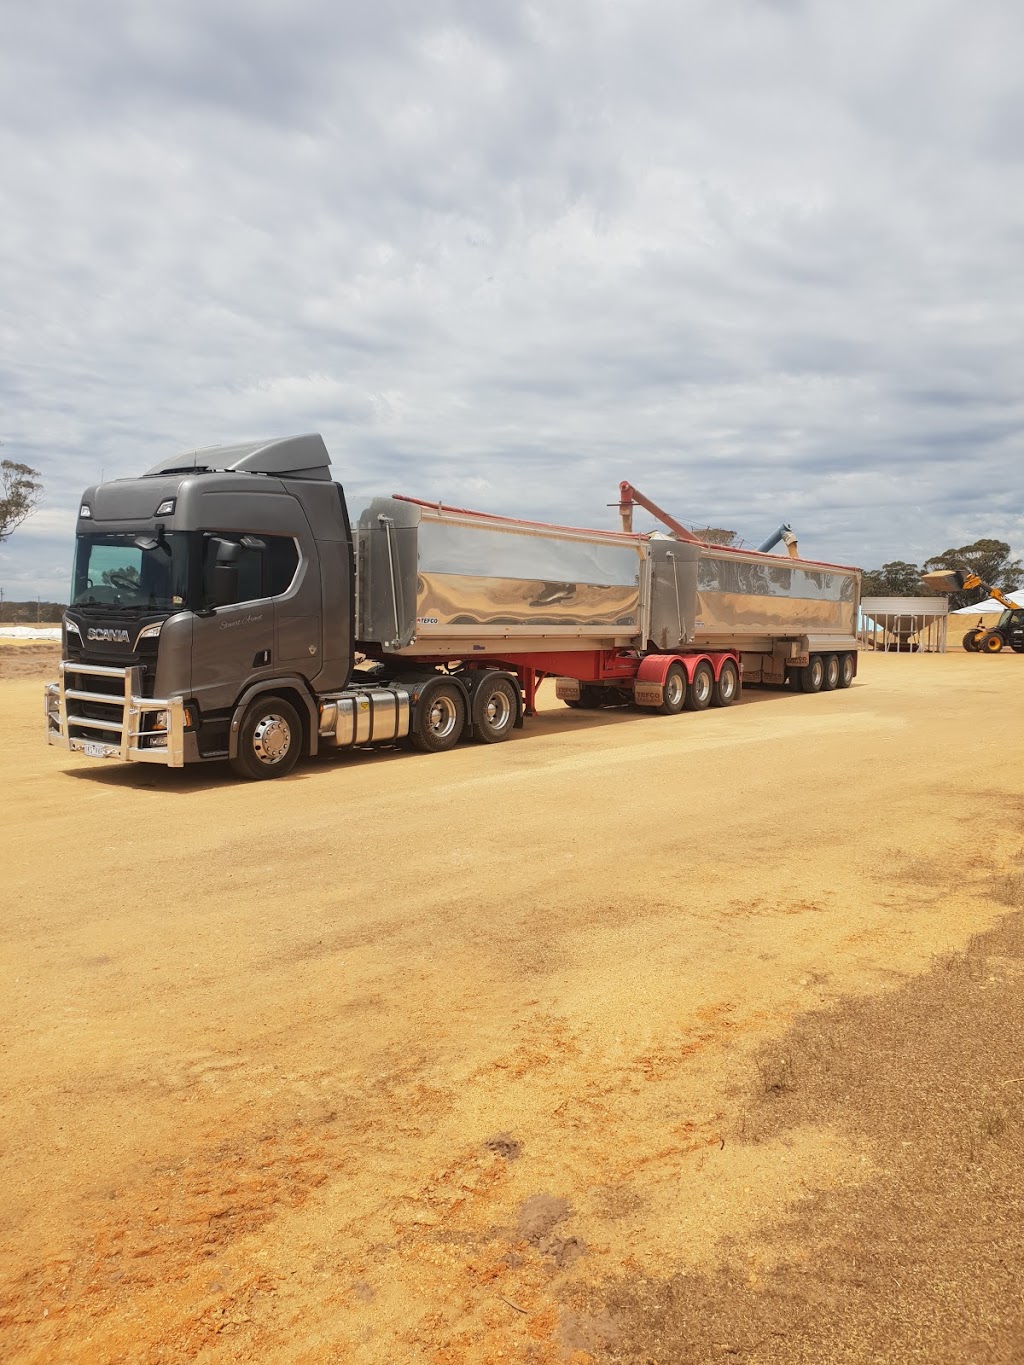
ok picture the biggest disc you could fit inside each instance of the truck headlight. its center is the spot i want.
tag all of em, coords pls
(149, 632)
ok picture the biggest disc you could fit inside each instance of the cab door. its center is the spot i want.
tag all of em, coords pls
(232, 645)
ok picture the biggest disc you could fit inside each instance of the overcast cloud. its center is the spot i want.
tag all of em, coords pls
(764, 259)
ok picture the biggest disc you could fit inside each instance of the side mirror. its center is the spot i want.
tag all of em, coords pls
(225, 573)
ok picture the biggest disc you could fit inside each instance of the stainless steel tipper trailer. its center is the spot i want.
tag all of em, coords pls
(223, 606)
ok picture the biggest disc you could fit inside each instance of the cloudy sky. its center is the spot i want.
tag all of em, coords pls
(764, 258)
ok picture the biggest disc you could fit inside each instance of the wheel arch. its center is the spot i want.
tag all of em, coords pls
(654, 667)
(293, 689)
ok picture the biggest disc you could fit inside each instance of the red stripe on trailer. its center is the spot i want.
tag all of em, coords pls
(586, 665)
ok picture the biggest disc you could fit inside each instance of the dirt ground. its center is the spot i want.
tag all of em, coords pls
(636, 1039)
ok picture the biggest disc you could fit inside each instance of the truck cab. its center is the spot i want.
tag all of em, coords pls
(1011, 627)
(211, 579)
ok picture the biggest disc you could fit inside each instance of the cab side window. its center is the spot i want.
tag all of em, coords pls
(266, 564)
(282, 559)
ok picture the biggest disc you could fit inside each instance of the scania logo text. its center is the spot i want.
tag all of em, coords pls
(115, 637)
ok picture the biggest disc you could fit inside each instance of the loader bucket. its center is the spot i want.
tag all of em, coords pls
(944, 580)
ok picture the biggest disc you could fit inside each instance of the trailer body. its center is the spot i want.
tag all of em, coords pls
(224, 606)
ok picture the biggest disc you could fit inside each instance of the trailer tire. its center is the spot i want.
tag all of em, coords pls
(847, 670)
(701, 689)
(673, 691)
(727, 687)
(495, 708)
(812, 676)
(439, 719)
(991, 642)
(269, 740)
(970, 641)
(830, 681)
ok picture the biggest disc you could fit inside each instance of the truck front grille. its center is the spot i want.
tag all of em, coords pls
(97, 700)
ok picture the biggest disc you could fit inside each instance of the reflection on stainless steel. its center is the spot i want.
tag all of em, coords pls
(431, 577)
(750, 614)
(500, 551)
(756, 578)
(445, 599)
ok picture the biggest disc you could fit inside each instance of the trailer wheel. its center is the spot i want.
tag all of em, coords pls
(813, 675)
(846, 670)
(494, 710)
(439, 719)
(727, 686)
(970, 641)
(991, 642)
(830, 681)
(269, 739)
(702, 687)
(673, 691)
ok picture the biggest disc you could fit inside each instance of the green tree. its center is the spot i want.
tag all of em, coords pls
(715, 535)
(990, 560)
(895, 579)
(20, 491)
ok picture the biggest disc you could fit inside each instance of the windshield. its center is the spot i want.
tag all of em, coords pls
(111, 571)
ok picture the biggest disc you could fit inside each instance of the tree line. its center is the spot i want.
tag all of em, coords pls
(989, 559)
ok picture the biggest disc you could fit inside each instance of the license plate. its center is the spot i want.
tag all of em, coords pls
(93, 750)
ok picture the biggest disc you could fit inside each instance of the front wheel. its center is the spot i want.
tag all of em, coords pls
(439, 719)
(269, 740)
(727, 686)
(702, 686)
(970, 641)
(991, 642)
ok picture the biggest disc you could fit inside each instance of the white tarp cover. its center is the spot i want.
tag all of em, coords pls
(989, 605)
(29, 632)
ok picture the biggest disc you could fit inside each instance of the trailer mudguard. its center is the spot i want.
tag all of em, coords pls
(654, 668)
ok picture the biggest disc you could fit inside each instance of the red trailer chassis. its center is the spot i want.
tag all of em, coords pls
(609, 667)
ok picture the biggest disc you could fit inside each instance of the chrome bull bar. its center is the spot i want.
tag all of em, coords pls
(113, 723)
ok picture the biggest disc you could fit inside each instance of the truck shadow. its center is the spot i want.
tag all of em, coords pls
(210, 776)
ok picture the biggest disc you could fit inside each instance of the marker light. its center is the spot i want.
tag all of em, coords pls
(85, 510)
(166, 508)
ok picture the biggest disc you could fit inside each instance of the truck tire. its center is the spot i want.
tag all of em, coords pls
(830, 681)
(701, 689)
(269, 740)
(813, 675)
(727, 687)
(846, 670)
(673, 691)
(991, 642)
(970, 641)
(495, 707)
(439, 719)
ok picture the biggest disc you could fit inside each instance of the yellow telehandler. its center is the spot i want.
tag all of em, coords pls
(1007, 633)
